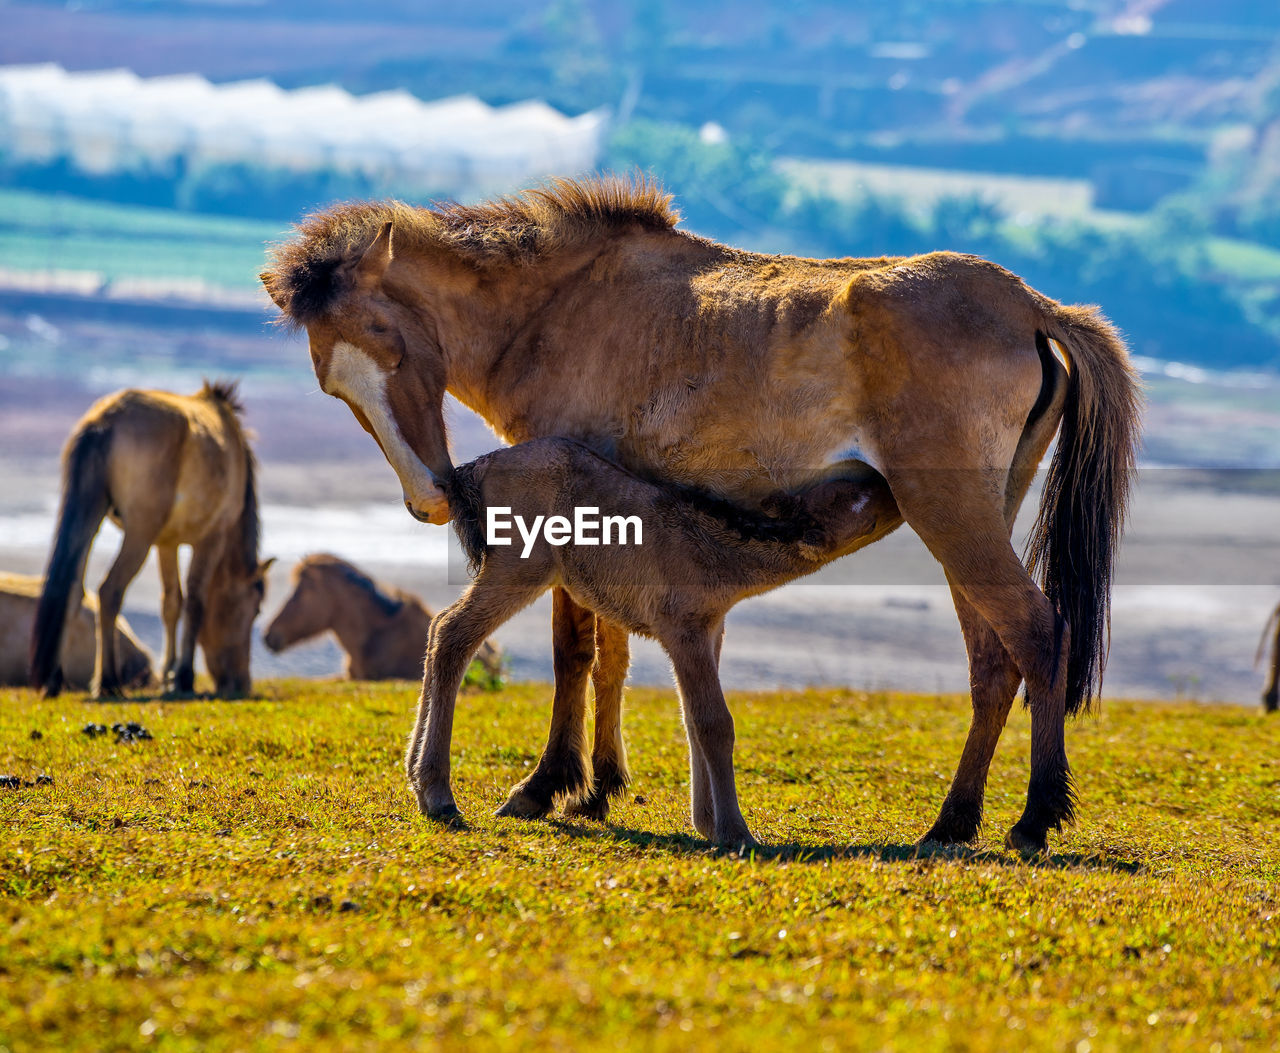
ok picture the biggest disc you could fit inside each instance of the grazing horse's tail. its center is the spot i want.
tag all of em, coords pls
(84, 505)
(1086, 493)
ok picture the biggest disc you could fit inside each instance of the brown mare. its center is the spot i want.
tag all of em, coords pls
(690, 559)
(1271, 693)
(19, 595)
(169, 470)
(579, 310)
(382, 629)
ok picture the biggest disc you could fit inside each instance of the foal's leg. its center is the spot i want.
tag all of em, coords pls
(609, 753)
(456, 634)
(955, 517)
(993, 680)
(204, 558)
(563, 770)
(704, 815)
(170, 607)
(133, 553)
(710, 728)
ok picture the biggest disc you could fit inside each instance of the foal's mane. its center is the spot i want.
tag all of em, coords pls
(514, 230)
(354, 576)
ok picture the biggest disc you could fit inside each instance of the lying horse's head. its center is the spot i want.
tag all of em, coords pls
(369, 347)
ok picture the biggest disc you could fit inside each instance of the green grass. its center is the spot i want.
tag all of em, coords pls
(54, 232)
(257, 874)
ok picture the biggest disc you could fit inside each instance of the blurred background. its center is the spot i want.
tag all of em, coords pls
(1119, 152)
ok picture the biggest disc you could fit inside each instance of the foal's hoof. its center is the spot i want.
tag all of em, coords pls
(443, 812)
(107, 693)
(519, 805)
(1026, 844)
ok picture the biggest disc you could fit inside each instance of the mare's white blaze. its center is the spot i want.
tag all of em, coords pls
(354, 377)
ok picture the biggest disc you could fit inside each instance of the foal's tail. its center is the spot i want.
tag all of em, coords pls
(1086, 493)
(84, 505)
(466, 511)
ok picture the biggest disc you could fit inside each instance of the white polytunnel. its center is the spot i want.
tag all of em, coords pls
(104, 121)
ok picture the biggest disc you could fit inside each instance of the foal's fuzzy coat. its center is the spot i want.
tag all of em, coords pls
(698, 557)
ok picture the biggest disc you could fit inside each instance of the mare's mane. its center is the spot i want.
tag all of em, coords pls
(303, 276)
(386, 604)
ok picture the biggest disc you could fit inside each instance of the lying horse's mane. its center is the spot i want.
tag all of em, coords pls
(388, 605)
(792, 523)
(303, 273)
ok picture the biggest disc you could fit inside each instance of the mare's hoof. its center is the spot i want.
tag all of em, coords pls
(445, 814)
(942, 835)
(742, 841)
(519, 805)
(1027, 845)
(592, 806)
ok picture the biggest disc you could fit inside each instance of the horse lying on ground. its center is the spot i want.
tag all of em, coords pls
(1271, 693)
(579, 309)
(382, 629)
(169, 470)
(19, 594)
(693, 558)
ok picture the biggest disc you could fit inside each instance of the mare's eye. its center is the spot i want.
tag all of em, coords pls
(378, 329)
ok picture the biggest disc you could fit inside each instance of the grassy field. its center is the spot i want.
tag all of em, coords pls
(256, 875)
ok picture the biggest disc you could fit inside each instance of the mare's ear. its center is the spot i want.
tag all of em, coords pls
(265, 566)
(375, 261)
(278, 298)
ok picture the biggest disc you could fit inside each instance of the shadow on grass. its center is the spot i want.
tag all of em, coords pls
(883, 852)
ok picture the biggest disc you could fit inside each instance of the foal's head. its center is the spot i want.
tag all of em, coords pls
(370, 347)
(849, 513)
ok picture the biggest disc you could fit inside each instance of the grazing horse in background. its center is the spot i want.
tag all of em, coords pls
(19, 594)
(1271, 693)
(579, 310)
(382, 629)
(691, 558)
(169, 470)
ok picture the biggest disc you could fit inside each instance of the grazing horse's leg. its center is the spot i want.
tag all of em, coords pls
(204, 557)
(456, 634)
(1271, 693)
(710, 728)
(133, 553)
(993, 680)
(563, 769)
(953, 513)
(171, 607)
(609, 753)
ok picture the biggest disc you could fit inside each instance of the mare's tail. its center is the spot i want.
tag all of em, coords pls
(84, 504)
(1086, 493)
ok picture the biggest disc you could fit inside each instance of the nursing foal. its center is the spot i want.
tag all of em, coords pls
(695, 557)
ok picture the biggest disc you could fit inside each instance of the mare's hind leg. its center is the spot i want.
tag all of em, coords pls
(609, 752)
(563, 770)
(993, 680)
(456, 634)
(204, 557)
(170, 607)
(956, 517)
(133, 553)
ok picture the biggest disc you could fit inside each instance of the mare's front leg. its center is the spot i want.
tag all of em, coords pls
(170, 608)
(204, 557)
(609, 752)
(563, 770)
(456, 634)
(710, 728)
(993, 680)
(133, 553)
